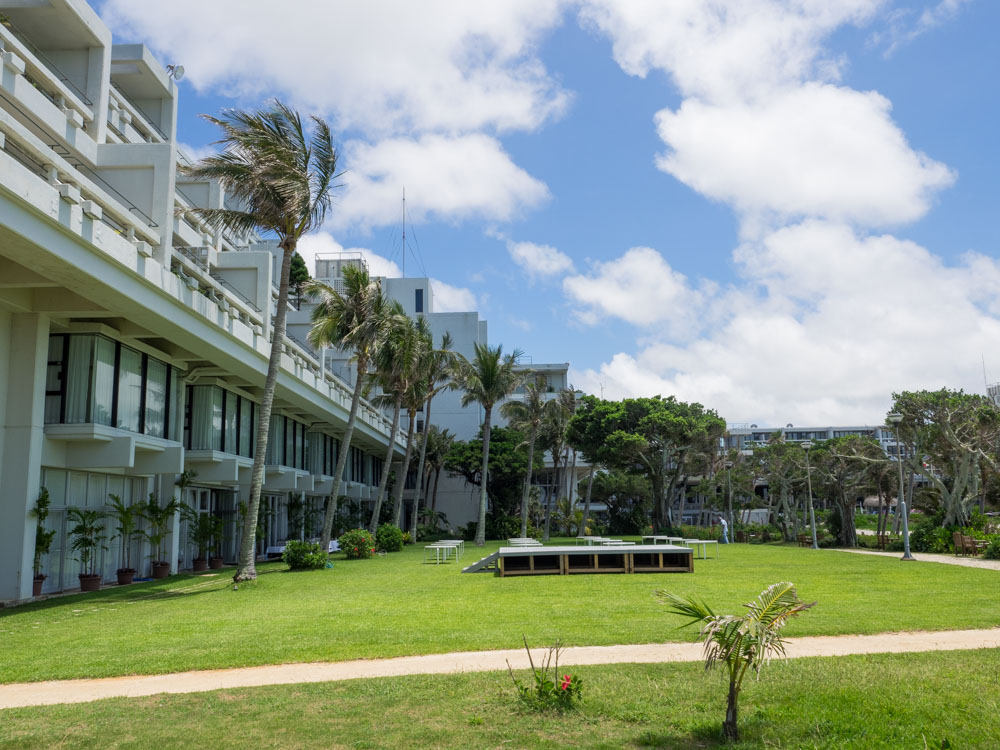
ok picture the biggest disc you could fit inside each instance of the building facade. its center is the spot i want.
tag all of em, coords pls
(134, 338)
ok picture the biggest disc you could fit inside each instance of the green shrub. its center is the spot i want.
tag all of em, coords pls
(304, 555)
(992, 551)
(407, 538)
(357, 544)
(927, 535)
(388, 538)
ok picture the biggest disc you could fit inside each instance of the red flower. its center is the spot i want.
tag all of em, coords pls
(565, 682)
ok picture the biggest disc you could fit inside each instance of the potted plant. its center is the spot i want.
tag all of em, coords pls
(86, 538)
(201, 532)
(216, 561)
(43, 539)
(158, 517)
(127, 518)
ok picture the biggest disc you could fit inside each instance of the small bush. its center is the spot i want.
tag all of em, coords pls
(992, 551)
(553, 692)
(304, 555)
(357, 544)
(407, 538)
(388, 538)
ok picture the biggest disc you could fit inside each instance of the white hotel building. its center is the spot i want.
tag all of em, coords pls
(133, 339)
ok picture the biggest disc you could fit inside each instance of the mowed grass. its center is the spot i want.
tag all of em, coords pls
(395, 605)
(868, 703)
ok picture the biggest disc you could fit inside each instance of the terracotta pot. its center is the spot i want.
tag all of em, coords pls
(89, 582)
(161, 569)
(199, 564)
(125, 576)
(216, 562)
(36, 585)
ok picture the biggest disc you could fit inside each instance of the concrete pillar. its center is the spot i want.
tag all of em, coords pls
(24, 364)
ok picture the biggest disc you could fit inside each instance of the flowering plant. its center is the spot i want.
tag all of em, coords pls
(548, 692)
(357, 543)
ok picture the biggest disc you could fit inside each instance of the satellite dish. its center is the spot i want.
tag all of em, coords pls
(175, 71)
(753, 427)
(789, 425)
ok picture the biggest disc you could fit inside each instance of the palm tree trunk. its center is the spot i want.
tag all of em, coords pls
(420, 470)
(246, 569)
(527, 482)
(586, 503)
(397, 507)
(571, 489)
(384, 479)
(548, 496)
(481, 527)
(434, 497)
(345, 449)
(729, 727)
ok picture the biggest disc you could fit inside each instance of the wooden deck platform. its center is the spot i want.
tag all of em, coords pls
(640, 558)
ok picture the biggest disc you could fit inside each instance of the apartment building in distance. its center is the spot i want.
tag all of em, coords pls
(134, 339)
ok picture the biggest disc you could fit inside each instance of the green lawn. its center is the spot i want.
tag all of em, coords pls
(394, 605)
(868, 703)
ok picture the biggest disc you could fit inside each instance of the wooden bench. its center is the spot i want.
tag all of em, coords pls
(805, 540)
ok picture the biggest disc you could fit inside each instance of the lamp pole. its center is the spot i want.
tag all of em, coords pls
(812, 515)
(894, 419)
(729, 497)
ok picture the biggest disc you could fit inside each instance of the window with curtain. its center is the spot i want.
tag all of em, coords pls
(78, 379)
(247, 416)
(177, 389)
(156, 397)
(54, 379)
(275, 441)
(232, 436)
(291, 428)
(104, 381)
(206, 417)
(129, 389)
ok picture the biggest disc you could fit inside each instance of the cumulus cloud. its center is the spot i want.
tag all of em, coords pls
(825, 325)
(379, 66)
(446, 178)
(905, 25)
(539, 260)
(811, 150)
(640, 287)
(448, 298)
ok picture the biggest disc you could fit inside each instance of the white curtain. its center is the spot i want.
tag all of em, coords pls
(156, 396)
(129, 389)
(104, 381)
(206, 417)
(78, 377)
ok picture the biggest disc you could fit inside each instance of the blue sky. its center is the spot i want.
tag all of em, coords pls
(784, 209)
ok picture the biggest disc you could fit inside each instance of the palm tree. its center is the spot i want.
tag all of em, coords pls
(394, 366)
(437, 443)
(527, 415)
(282, 178)
(439, 371)
(554, 436)
(741, 642)
(413, 399)
(358, 319)
(490, 377)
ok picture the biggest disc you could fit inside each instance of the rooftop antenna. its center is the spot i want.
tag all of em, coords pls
(986, 380)
(404, 231)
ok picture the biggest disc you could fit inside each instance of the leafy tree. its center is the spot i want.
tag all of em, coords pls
(282, 177)
(508, 464)
(842, 469)
(298, 274)
(527, 415)
(488, 379)
(356, 320)
(741, 642)
(952, 435)
(782, 465)
(628, 497)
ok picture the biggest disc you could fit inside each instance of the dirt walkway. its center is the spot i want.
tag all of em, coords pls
(82, 691)
(965, 562)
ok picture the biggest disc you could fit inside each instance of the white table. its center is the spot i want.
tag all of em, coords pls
(440, 552)
(704, 546)
(665, 539)
(588, 540)
(460, 543)
(617, 543)
(524, 542)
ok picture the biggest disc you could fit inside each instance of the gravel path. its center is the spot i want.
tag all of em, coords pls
(965, 562)
(81, 691)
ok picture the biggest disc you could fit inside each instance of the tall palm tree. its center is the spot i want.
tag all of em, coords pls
(394, 366)
(439, 372)
(357, 320)
(741, 642)
(554, 436)
(527, 415)
(413, 401)
(490, 377)
(437, 442)
(282, 178)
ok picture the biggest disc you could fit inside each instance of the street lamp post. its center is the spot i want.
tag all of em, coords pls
(729, 497)
(812, 515)
(894, 419)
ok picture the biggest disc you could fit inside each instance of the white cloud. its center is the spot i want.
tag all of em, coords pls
(381, 66)
(811, 150)
(640, 287)
(445, 178)
(539, 260)
(196, 153)
(448, 298)
(903, 28)
(840, 321)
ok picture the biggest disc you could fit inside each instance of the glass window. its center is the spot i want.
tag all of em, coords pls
(206, 417)
(81, 354)
(418, 302)
(176, 405)
(275, 441)
(156, 396)
(129, 389)
(54, 379)
(291, 428)
(247, 416)
(232, 436)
